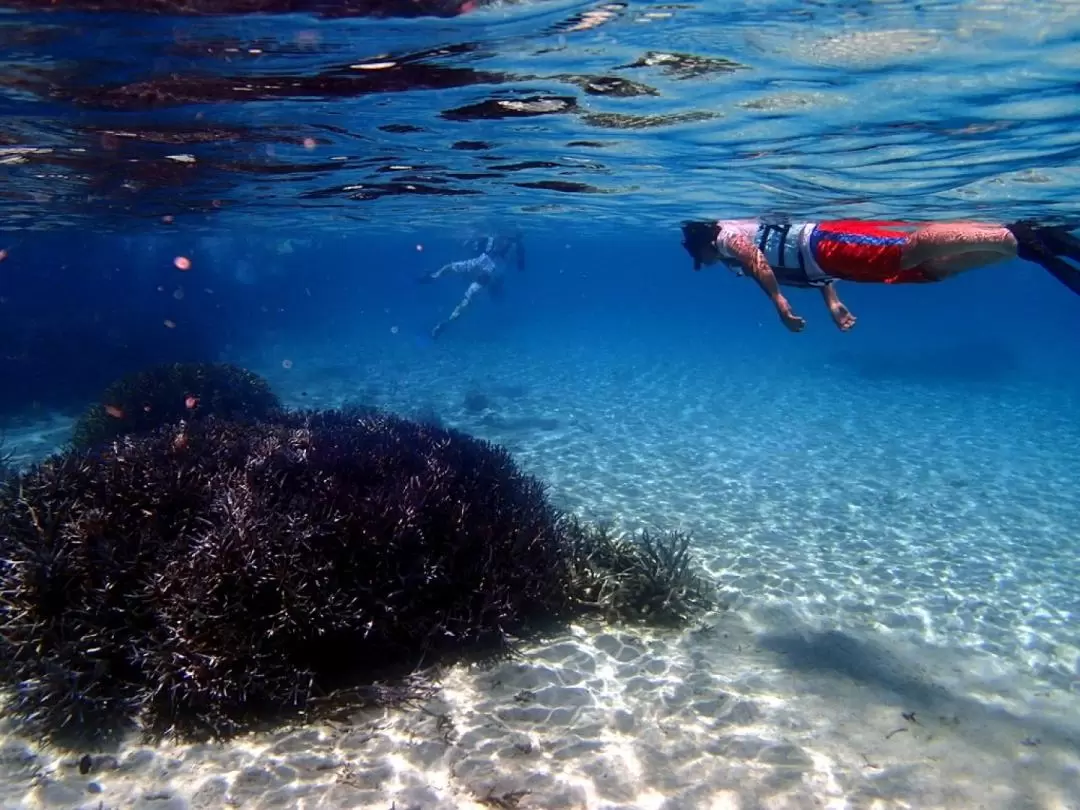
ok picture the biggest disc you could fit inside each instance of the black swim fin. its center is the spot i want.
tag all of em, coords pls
(1060, 242)
(1044, 246)
(1062, 271)
(1028, 245)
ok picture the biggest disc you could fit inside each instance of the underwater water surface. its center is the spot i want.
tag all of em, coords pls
(638, 112)
(890, 514)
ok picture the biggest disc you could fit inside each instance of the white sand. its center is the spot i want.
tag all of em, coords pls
(886, 549)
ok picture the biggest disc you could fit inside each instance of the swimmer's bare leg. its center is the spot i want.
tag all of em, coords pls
(950, 240)
(939, 269)
(841, 315)
(472, 290)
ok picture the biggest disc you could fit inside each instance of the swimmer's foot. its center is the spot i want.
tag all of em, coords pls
(1030, 245)
(426, 278)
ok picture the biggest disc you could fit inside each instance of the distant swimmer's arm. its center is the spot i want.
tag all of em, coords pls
(757, 266)
(462, 267)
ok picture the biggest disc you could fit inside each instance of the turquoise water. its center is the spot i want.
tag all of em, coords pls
(891, 513)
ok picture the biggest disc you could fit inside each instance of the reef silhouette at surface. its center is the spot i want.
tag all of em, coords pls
(328, 8)
(211, 575)
(170, 392)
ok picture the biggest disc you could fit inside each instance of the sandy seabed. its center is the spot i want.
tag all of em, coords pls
(899, 583)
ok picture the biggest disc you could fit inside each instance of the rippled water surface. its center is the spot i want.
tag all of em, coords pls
(627, 112)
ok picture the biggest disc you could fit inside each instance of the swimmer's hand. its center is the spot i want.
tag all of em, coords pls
(792, 321)
(842, 316)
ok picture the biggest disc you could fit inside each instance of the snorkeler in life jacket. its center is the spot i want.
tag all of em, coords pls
(818, 254)
(485, 271)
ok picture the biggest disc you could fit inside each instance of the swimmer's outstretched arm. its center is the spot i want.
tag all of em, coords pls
(757, 267)
(460, 268)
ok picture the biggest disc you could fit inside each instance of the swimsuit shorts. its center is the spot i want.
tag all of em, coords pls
(862, 251)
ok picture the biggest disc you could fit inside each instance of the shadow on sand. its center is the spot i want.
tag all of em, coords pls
(872, 665)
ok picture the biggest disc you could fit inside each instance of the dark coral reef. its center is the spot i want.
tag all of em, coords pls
(210, 574)
(165, 393)
(649, 578)
(7, 460)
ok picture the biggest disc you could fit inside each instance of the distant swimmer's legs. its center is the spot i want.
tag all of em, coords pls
(470, 293)
(943, 243)
(1045, 246)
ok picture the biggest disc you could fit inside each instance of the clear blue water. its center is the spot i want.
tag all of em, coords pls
(892, 512)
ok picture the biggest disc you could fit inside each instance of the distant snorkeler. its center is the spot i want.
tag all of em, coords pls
(818, 254)
(486, 271)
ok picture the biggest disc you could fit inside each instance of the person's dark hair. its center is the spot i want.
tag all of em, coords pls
(697, 236)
